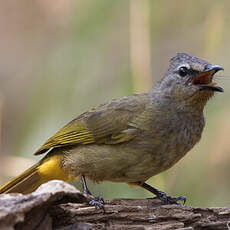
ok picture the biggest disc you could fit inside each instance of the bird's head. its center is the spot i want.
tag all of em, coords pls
(189, 80)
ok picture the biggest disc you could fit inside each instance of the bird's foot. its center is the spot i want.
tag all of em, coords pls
(98, 203)
(163, 196)
(171, 200)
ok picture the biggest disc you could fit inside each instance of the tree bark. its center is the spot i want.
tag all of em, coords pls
(57, 205)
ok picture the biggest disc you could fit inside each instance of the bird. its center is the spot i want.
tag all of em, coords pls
(132, 138)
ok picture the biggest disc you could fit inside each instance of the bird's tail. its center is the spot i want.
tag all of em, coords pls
(46, 169)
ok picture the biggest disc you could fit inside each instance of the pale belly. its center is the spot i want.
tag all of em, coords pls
(130, 162)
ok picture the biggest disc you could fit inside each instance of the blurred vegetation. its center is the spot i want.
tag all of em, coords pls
(59, 59)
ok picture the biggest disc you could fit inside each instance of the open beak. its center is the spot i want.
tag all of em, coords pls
(204, 79)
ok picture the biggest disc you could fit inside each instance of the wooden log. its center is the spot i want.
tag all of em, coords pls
(58, 205)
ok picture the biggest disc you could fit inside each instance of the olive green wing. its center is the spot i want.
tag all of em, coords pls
(108, 123)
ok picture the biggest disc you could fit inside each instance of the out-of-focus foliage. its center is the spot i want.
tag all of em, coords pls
(60, 58)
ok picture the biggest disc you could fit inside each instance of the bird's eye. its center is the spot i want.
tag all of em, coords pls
(183, 71)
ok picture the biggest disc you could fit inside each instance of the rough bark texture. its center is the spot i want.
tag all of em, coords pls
(57, 205)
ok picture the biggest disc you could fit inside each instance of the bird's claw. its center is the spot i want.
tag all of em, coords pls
(171, 200)
(176, 200)
(100, 199)
(98, 203)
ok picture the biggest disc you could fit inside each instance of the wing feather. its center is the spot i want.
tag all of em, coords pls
(106, 124)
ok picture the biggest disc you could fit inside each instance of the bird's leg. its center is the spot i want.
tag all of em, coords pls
(163, 196)
(86, 191)
(98, 202)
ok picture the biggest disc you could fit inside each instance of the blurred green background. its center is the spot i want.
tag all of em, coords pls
(59, 58)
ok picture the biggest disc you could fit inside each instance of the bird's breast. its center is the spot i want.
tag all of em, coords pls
(175, 137)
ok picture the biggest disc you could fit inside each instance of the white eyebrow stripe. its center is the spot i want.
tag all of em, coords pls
(184, 65)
